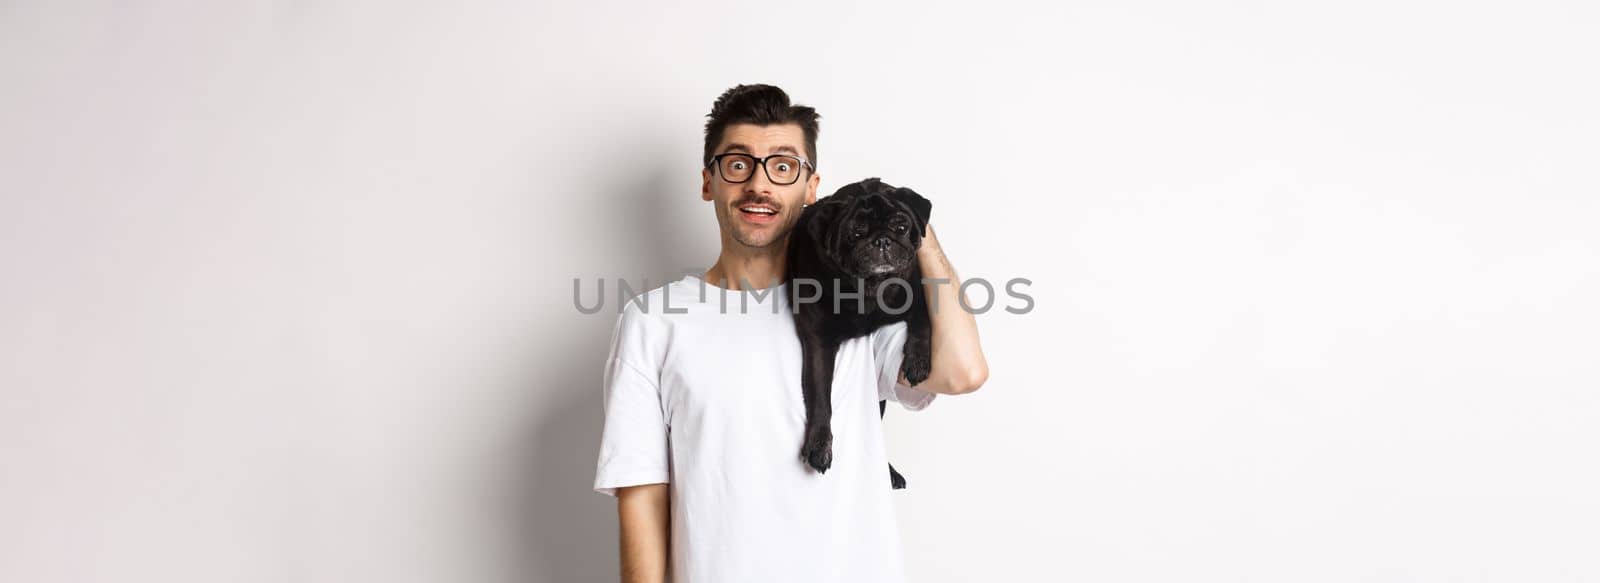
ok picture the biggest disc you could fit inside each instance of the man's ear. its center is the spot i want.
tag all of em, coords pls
(920, 207)
(705, 184)
(811, 189)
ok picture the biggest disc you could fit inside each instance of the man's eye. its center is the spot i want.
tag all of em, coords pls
(783, 167)
(737, 166)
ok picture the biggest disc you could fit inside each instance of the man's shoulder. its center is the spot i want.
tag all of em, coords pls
(650, 302)
(641, 331)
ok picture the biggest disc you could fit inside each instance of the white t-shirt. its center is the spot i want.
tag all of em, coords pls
(709, 402)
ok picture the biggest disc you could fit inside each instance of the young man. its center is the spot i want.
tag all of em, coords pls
(704, 414)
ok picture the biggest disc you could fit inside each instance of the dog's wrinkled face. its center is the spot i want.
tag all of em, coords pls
(872, 229)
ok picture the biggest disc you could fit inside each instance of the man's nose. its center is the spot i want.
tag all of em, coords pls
(759, 182)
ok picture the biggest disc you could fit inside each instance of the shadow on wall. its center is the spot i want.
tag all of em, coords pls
(560, 528)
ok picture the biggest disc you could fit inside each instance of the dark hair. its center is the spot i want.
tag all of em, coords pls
(762, 105)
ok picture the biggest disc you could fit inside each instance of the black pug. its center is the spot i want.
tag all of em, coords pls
(861, 237)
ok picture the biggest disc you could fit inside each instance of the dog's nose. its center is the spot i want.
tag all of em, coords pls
(882, 242)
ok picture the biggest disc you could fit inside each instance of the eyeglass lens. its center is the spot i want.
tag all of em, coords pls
(780, 169)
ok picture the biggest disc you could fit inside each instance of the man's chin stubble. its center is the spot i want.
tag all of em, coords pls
(753, 244)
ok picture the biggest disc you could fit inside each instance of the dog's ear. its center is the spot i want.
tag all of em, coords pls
(822, 215)
(920, 207)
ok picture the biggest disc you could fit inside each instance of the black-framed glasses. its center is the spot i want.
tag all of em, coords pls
(738, 167)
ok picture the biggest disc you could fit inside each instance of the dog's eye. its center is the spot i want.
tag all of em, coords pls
(900, 228)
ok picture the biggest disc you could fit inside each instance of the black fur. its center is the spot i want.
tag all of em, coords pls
(863, 235)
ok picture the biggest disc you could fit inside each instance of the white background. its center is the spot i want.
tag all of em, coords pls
(288, 285)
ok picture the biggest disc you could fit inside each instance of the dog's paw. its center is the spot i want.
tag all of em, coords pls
(896, 481)
(818, 450)
(916, 367)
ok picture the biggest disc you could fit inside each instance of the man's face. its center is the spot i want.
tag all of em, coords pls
(754, 229)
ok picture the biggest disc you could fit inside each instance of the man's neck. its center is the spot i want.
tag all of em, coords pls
(762, 269)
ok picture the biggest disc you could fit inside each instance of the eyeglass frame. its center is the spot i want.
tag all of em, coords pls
(716, 162)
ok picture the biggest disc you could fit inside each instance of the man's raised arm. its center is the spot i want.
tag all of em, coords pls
(958, 365)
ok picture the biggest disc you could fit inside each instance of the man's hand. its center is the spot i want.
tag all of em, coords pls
(958, 363)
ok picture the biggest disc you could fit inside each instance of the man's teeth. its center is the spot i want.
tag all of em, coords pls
(756, 209)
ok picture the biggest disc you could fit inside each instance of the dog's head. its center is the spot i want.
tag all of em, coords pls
(870, 229)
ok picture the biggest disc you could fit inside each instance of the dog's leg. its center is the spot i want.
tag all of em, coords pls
(816, 382)
(917, 354)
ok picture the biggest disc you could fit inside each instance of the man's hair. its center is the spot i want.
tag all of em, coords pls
(762, 105)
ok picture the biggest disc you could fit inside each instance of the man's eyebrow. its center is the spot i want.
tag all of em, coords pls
(737, 147)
